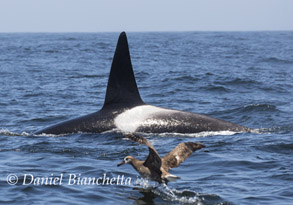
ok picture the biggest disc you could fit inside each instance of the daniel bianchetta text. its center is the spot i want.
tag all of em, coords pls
(67, 179)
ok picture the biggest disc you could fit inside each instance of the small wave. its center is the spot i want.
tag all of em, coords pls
(276, 60)
(167, 194)
(166, 134)
(278, 129)
(70, 39)
(185, 78)
(51, 135)
(6, 132)
(102, 45)
(250, 108)
(239, 81)
(78, 133)
(51, 51)
(88, 76)
(260, 107)
(88, 50)
(193, 135)
(215, 88)
(178, 196)
(32, 95)
(281, 148)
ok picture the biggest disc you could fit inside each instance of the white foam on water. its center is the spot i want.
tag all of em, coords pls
(194, 135)
(168, 194)
(176, 196)
(129, 120)
(51, 135)
(6, 132)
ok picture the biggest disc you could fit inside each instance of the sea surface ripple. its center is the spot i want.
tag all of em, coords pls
(242, 77)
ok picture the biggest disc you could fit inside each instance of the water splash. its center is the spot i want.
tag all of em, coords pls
(6, 132)
(276, 129)
(51, 135)
(192, 135)
(167, 194)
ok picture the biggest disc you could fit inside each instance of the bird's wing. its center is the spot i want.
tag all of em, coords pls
(153, 161)
(140, 140)
(179, 154)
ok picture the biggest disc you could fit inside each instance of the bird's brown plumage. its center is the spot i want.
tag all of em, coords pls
(158, 167)
(179, 154)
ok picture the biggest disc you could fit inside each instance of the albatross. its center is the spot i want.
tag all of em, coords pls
(156, 168)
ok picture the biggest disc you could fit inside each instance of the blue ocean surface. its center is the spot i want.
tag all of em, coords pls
(241, 77)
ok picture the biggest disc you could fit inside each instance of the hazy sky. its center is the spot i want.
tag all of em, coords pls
(144, 15)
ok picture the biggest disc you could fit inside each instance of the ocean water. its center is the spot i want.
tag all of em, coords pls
(242, 77)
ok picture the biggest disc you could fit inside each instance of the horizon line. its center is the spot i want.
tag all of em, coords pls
(151, 31)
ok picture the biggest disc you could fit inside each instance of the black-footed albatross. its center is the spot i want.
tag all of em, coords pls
(156, 168)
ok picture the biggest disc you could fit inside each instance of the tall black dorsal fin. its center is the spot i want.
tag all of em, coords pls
(122, 88)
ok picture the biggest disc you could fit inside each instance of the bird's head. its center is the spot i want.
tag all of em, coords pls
(126, 160)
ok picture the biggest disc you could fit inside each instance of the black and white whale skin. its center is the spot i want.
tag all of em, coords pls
(125, 111)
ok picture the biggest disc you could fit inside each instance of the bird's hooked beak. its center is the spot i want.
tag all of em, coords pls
(121, 163)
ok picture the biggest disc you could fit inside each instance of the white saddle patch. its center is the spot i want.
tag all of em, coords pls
(130, 120)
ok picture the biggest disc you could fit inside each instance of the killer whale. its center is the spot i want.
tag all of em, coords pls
(124, 110)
